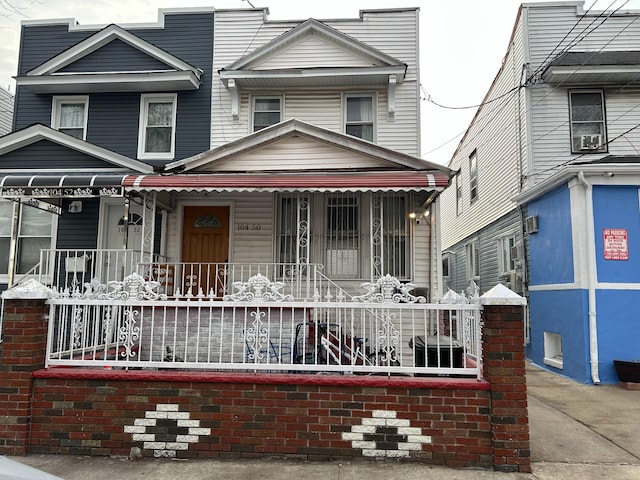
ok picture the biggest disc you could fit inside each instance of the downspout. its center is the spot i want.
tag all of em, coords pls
(591, 281)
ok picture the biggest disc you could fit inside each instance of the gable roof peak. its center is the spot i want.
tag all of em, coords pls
(103, 37)
(309, 27)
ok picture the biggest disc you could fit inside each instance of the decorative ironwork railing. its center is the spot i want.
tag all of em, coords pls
(259, 324)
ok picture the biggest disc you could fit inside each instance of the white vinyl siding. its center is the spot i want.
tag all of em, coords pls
(239, 32)
(296, 153)
(494, 136)
(6, 111)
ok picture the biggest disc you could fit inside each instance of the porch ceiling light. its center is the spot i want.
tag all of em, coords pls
(417, 216)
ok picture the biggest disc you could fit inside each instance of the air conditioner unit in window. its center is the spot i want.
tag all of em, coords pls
(516, 251)
(532, 224)
(590, 142)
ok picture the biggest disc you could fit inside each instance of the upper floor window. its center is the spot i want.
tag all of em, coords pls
(458, 194)
(267, 111)
(473, 260)
(156, 138)
(588, 129)
(473, 176)
(359, 116)
(69, 115)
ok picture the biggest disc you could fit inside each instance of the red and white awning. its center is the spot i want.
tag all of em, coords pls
(303, 182)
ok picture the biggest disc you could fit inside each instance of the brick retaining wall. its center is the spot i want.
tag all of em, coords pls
(454, 422)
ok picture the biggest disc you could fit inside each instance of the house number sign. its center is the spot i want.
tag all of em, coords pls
(246, 226)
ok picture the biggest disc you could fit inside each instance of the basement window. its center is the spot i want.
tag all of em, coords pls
(553, 350)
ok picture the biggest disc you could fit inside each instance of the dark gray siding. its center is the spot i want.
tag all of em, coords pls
(47, 155)
(120, 57)
(113, 118)
(487, 239)
(78, 231)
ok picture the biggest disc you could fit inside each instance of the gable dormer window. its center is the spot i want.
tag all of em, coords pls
(267, 111)
(69, 115)
(156, 138)
(359, 116)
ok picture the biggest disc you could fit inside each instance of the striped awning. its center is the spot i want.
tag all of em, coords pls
(307, 182)
(61, 186)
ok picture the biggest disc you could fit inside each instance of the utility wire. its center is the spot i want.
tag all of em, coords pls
(495, 113)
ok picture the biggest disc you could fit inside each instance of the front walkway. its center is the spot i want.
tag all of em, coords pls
(582, 431)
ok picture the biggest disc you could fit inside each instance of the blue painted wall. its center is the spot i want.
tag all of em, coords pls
(618, 320)
(617, 207)
(618, 329)
(566, 312)
(562, 312)
(551, 248)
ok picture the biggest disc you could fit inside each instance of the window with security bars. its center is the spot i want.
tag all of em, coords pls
(293, 230)
(342, 236)
(390, 236)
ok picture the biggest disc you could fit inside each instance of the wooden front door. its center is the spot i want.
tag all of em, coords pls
(205, 248)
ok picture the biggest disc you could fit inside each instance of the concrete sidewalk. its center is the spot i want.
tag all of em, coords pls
(577, 432)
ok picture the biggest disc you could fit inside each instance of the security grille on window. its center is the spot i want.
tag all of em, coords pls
(342, 239)
(70, 115)
(157, 126)
(588, 129)
(390, 236)
(266, 112)
(359, 116)
(293, 230)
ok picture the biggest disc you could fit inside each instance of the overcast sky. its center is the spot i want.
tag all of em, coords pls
(462, 43)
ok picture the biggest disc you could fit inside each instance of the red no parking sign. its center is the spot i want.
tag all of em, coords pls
(616, 246)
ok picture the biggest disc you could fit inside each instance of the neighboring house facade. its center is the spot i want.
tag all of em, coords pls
(297, 145)
(92, 105)
(6, 111)
(545, 199)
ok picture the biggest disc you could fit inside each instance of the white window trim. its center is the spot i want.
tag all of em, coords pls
(55, 110)
(500, 246)
(145, 100)
(473, 178)
(471, 262)
(253, 108)
(553, 350)
(374, 113)
(446, 258)
(604, 148)
(4, 276)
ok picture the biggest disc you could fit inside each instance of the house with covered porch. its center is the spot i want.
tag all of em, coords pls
(195, 203)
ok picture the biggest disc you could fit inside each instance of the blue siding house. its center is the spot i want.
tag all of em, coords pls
(92, 105)
(585, 268)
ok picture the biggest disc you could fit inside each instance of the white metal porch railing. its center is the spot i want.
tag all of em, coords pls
(260, 327)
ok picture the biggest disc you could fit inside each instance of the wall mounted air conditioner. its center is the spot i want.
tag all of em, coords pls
(590, 142)
(531, 224)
